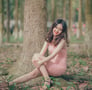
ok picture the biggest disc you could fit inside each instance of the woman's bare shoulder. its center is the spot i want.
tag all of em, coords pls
(63, 41)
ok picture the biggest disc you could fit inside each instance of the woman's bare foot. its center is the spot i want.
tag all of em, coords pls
(47, 84)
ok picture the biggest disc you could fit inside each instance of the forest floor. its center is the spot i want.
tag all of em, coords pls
(79, 65)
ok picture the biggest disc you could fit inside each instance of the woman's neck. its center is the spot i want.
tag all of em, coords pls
(53, 40)
(54, 37)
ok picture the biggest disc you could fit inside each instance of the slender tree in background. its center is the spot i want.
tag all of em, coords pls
(3, 31)
(83, 11)
(58, 9)
(35, 20)
(88, 36)
(15, 33)
(0, 22)
(21, 19)
(79, 31)
(64, 9)
(53, 10)
(8, 21)
(70, 18)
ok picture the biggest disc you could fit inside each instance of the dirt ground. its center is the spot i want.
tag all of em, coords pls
(8, 55)
(76, 64)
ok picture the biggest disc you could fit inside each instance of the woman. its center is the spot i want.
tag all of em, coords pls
(55, 63)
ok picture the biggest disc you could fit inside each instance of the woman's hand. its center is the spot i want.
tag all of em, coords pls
(40, 62)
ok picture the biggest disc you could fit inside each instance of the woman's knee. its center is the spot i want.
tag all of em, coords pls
(35, 57)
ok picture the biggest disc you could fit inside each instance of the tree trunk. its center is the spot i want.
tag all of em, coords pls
(3, 19)
(21, 19)
(8, 21)
(53, 10)
(35, 20)
(64, 9)
(58, 9)
(15, 33)
(0, 22)
(79, 31)
(88, 33)
(70, 18)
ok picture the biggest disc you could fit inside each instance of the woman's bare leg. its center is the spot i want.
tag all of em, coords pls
(45, 75)
(42, 68)
(44, 72)
(35, 73)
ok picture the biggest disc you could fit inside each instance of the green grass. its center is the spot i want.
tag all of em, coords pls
(12, 39)
(73, 39)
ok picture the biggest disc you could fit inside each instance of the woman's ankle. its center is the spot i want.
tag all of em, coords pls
(47, 79)
(11, 83)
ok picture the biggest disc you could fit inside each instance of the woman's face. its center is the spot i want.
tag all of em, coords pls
(57, 30)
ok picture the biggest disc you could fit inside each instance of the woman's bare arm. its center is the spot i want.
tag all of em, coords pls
(40, 56)
(44, 48)
(58, 48)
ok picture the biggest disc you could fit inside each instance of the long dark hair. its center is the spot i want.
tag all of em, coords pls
(62, 35)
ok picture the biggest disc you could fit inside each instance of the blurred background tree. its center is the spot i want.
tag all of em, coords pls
(13, 14)
(0, 22)
(88, 36)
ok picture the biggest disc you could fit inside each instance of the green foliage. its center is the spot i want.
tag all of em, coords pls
(9, 61)
(81, 73)
(9, 78)
(57, 83)
(90, 82)
(12, 87)
(73, 39)
(71, 84)
(61, 89)
(21, 87)
(1, 63)
(74, 63)
(82, 62)
(12, 39)
(73, 55)
(4, 39)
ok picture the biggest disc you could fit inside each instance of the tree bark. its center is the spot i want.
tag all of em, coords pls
(70, 18)
(58, 9)
(15, 33)
(3, 19)
(79, 31)
(88, 33)
(53, 8)
(21, 19)
(35, 20)
(0, 22)
(8, 20)
(64, 9)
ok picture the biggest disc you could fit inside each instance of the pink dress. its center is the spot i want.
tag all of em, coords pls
(57, 65)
